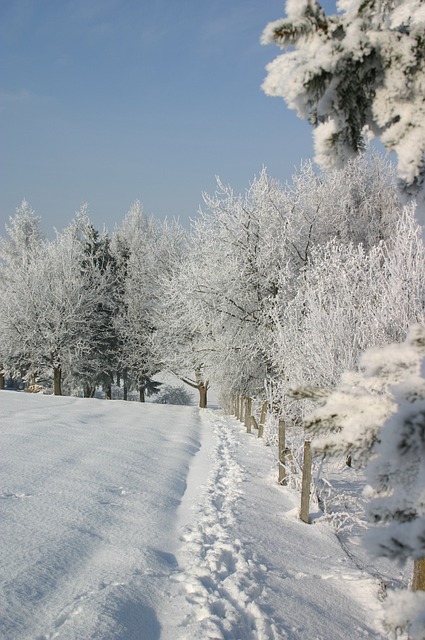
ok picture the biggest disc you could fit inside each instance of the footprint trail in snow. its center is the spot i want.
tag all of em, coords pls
(218, 577)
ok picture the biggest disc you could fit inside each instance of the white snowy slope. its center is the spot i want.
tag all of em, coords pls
(88, 500)
(128, 521)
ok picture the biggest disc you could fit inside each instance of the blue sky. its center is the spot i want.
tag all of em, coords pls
(108, 101)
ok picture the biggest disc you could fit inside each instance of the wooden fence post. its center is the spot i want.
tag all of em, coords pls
(262, 420)
(248, 407)
(306, 482)
(241, 408)
(282, 447)
(418, 583)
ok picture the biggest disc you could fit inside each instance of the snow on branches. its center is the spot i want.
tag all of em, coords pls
(377, 415)
(360, 70)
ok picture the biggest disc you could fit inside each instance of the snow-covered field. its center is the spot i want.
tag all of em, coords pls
(139, 522)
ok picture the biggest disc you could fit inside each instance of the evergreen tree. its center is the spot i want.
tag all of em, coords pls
(377, 415)
(360, 69)
(98, 268)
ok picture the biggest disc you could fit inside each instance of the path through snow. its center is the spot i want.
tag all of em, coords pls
(221, 574)
(249, 568)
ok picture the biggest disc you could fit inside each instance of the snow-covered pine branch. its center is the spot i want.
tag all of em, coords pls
(355, 73)
(377, 415)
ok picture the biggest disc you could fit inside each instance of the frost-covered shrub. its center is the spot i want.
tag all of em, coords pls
(173, 395)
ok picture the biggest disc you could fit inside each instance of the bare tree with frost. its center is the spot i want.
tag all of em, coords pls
(181, 335)
(50, 310)
(234, 267)
(145, 251)
(17, 250)
(331, 244)
(133, 246)
(23, 236)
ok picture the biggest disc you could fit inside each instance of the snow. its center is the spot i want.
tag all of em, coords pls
(123, 521)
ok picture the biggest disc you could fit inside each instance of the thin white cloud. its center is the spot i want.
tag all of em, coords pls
(22, 97)
(8, 97)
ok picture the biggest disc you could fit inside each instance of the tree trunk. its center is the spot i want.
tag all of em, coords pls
(1, 381)
(418, 583)
(262, 419)
(57, 381)
(200, 385)
(33, 379)
(89, 390)
(202, 396)
(108, 391)
(125, 387)
(241, 408)
(142, 393)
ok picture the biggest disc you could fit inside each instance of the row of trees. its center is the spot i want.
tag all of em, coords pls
(280, 286)
(289, 284)
(353, 75)
(78, 311)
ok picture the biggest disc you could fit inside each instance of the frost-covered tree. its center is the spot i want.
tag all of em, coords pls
(233, 270)
(348, 300)
(50, 316)
(133, 245)
(359, 71)
(144, 251)
(397, 475)
(180, 336)
(335, 234)
(17, 249)
(23, 236)
(229, 278)
(98, 270)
